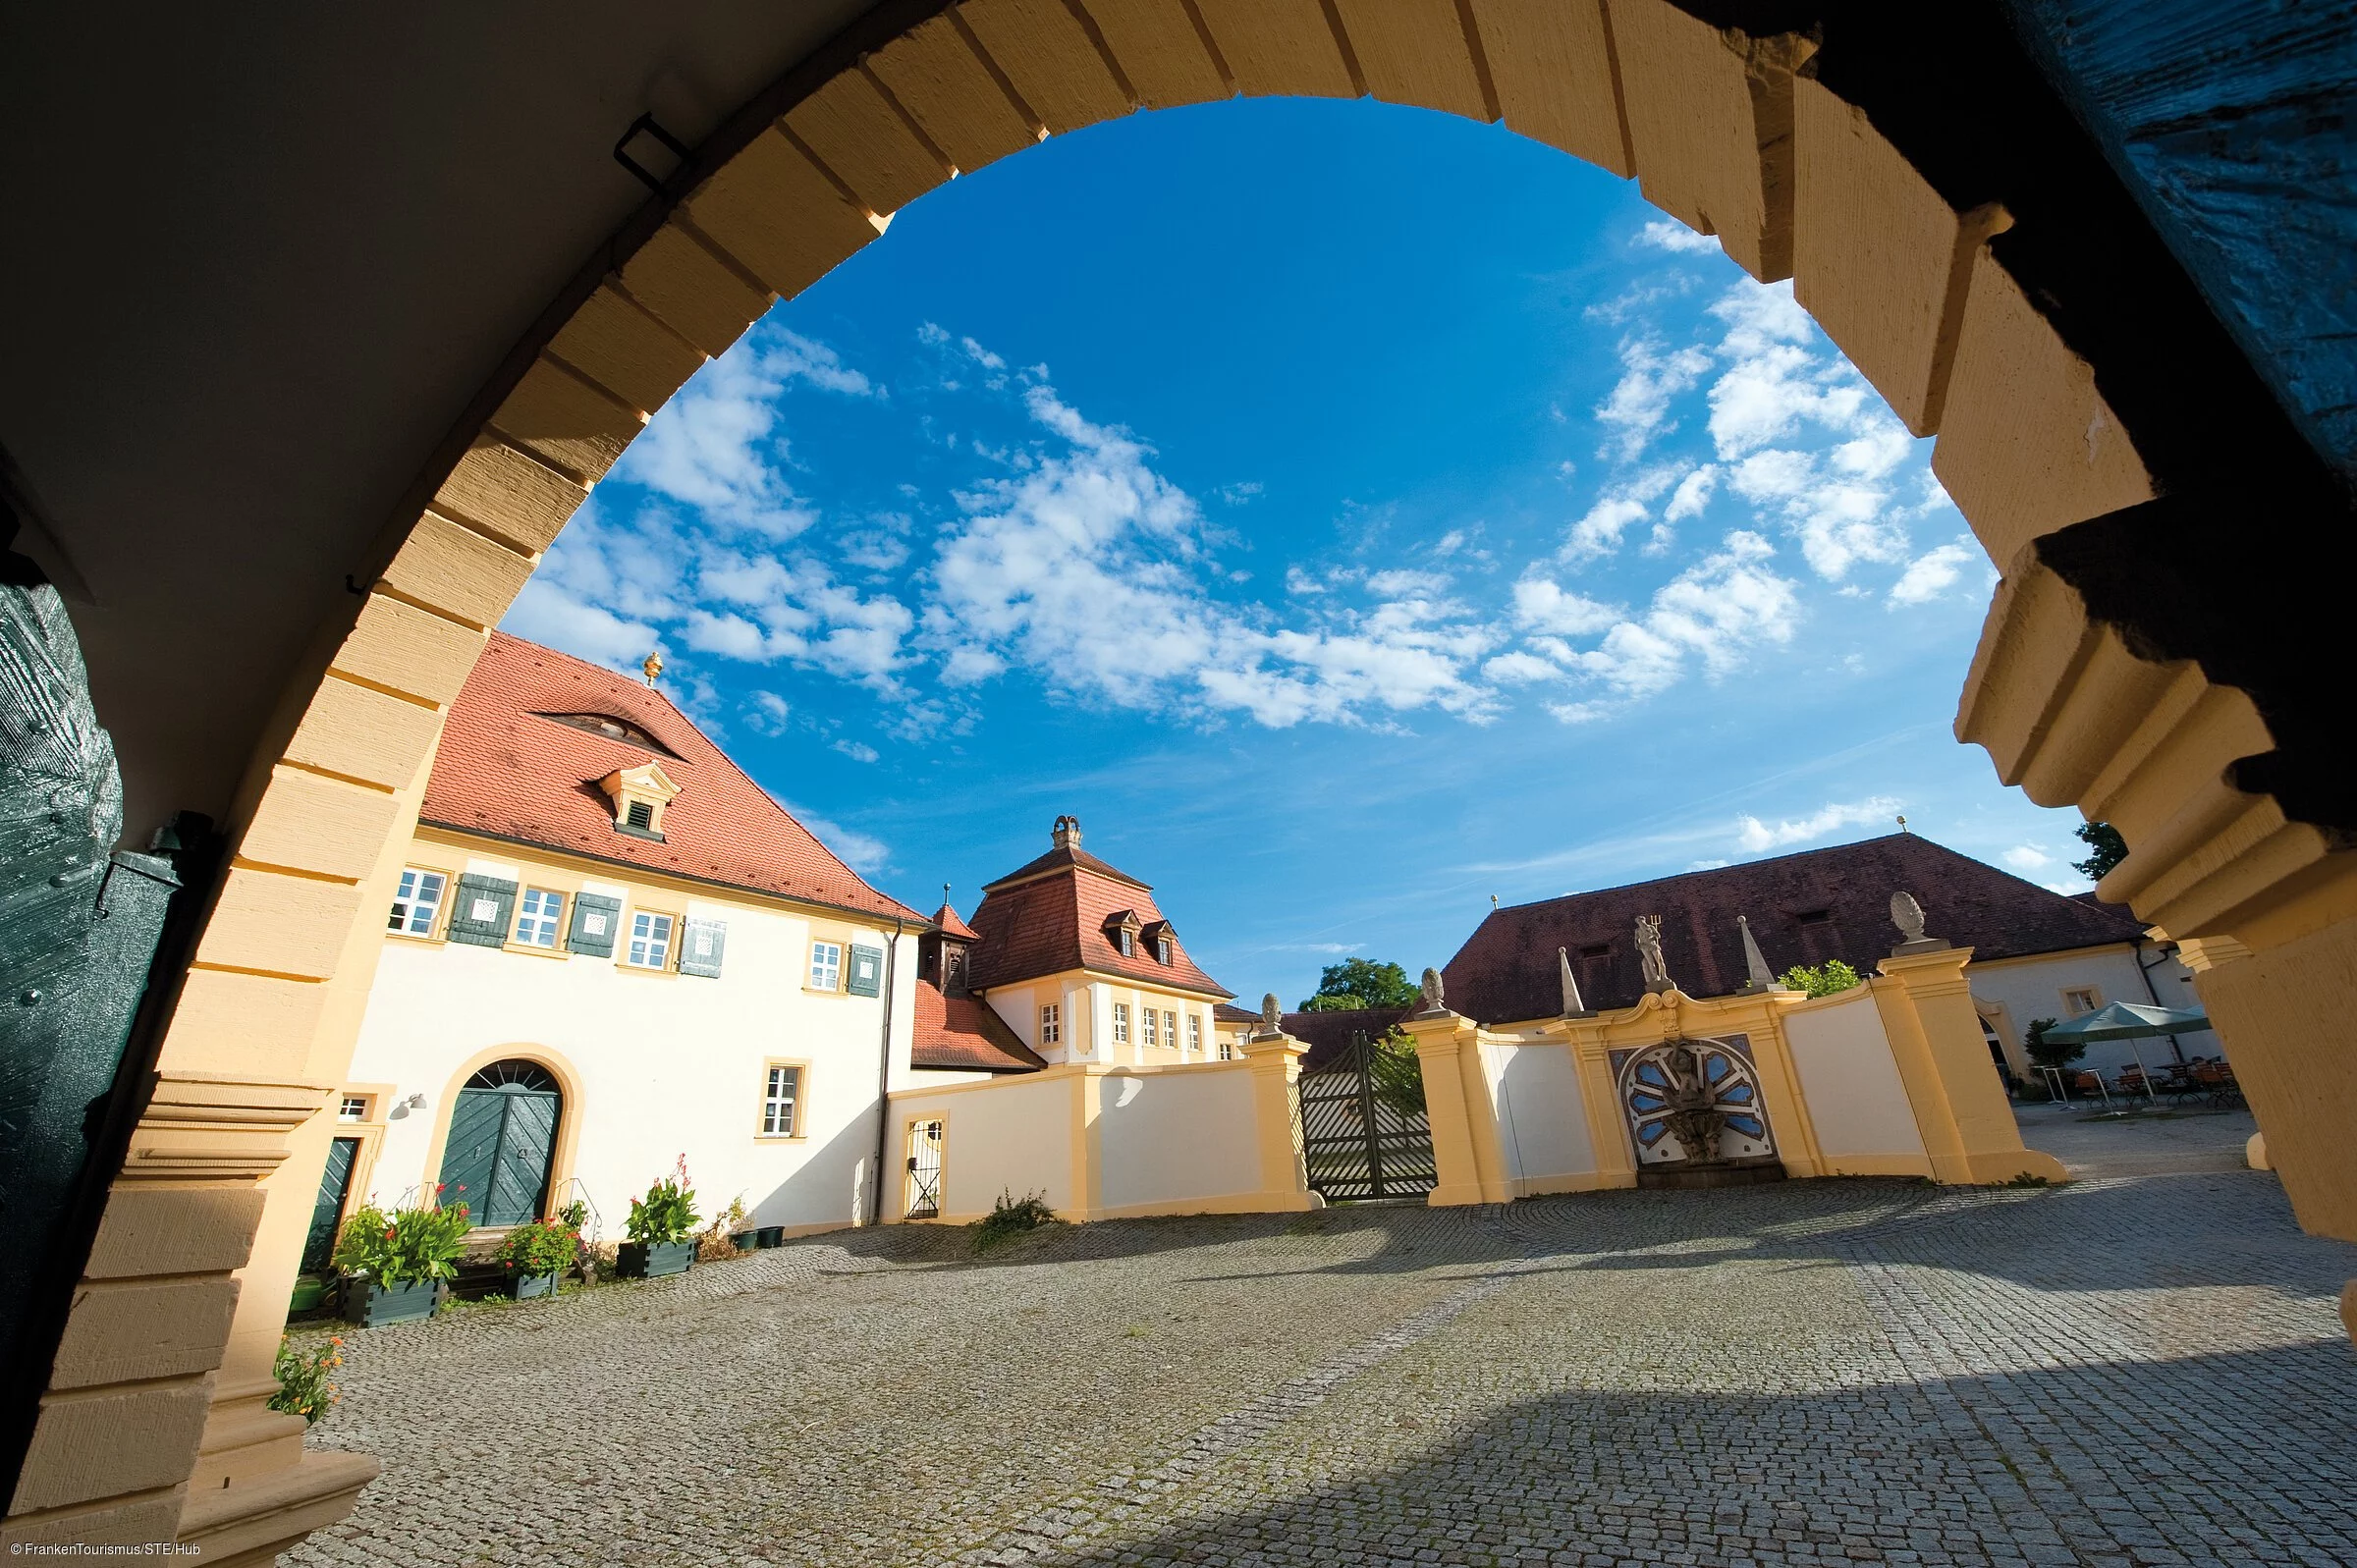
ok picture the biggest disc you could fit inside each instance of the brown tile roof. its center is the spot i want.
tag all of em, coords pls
(1326, 1034)
(1229, 1012)
(946, 918)
(1509, 971)
(962, 1033)
(507, 771)
(1051, 916)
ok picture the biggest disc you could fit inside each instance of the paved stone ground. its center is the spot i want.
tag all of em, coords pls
(2139, 1143)
(2134, 1371)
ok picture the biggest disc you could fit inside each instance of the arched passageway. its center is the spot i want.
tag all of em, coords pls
(1958, 238)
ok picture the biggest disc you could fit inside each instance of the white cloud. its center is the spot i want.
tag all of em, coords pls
(1668, 234)
(1707, 865)
(1692, 495)
(1716, 612)
(2027, 857)
(1541, 604)
(1754, 835)
(863, 852)
(857, 751)
(1638, 406)
(766, 713)
(1933, 574)
(1599, 532)
(1239, 494)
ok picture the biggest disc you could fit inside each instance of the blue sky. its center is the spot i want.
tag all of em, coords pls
(1348, 511)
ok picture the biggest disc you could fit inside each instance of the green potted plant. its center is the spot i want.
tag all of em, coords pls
(393, 1262)
(536, 1256)
(661, 1228)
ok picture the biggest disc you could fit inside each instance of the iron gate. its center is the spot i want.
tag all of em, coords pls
(1364, 1133)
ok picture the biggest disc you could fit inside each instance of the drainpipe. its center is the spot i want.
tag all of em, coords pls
(892, 956)
(2136, 954)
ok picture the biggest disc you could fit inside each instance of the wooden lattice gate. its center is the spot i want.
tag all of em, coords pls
(1364, 1132)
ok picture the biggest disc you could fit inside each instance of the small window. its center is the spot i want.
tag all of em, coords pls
(640, 815)
(780, 1097)
(1170, 1029)
(1227, 1051)
(1051, 1024)
(1194, 1034)
(1128, 941)
(1596, 950)
(1815, 917)
(1153, 1025)
(650, 940)
(1162, 949)
(826, 966)
(539, 918)
(1121, 1022)
(355, 1108)
(416, 901)
(2083, 998)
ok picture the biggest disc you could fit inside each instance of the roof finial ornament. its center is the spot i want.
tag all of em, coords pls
(1066, 832)
(1907, 916)
(1903, 824)
(1271, 1011)
(1435, 995)
(653, 667)
(1757, 976)
(1493, 904)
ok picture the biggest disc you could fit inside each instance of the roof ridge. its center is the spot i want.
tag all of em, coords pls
(1764, 860)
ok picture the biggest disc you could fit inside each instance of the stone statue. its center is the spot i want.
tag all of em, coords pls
(1757, 976)
(1271, 1011)
(1433, 1002)
(1574, 1007)
(1649, 954)
(1907, 916)
(1694, 1118)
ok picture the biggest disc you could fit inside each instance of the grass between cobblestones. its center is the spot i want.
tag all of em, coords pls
(2135, 1372)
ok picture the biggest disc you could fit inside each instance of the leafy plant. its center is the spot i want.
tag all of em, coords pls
(2051, 1052)
(717, 1242)
(2107, 850)
(667, 1214)
(1010, 1218)
(1821, 980)
(543, 1247)
(305, 1386)
(1397, 1073)
(1356, 983)
(404, 1246)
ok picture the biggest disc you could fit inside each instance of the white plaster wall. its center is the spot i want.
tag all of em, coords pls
(665, 1064)
(1542, 1114)
(1857, 1101)
(1017, 1008)
(2031, 988)
(1176, 1135)
(1013, 1136)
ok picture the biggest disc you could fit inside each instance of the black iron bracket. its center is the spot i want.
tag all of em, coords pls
(646, 124)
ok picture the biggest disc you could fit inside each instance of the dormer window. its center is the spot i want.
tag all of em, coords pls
(639, 795)
(1128, 942)
(1162, 949)
(612, 728)
(1122, 929)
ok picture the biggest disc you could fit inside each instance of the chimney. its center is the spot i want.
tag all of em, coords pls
(1067, 833)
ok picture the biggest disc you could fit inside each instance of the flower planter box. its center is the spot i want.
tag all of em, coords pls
(744, 1241)
(641, 1261)
(770, 1236)
(530, 1287)
(373, 1305)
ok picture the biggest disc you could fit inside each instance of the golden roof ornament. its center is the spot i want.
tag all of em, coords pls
(653, 667)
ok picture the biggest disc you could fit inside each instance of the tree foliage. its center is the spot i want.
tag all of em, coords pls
(1820, 979)
(2107, 848)
(1397, 1073)
(1361, 983)
(2057, 1054)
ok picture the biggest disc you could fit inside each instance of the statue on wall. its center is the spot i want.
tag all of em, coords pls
(1433, 992)
(1649, 954)
(1907, 916)
(1271, 1011)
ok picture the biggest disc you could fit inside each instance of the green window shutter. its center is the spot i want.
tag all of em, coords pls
(865, 975)
(700, 947)
(483, 910)
(595, 920)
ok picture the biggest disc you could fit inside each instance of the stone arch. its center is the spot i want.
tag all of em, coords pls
(1727, 132)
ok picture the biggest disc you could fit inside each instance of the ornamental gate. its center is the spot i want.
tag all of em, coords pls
(1364, 1133)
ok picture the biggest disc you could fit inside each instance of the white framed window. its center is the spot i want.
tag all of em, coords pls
(1170, 1030)
(1227, 1051)
(1120, 1024)
(826, 966)
(1129, 943)
(355, 1108)
(1162, 949)
(1194, 1034)
(1153, 1026)
(780, 1099)
(650, 940)
(2082, 999)
(416, 901)
(1051, 1024)
(539, 917)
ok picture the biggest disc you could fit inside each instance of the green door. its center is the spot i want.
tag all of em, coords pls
(503, 1136)
(327, 1211)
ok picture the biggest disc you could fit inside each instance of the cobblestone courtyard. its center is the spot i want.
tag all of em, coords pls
(2131, 1370)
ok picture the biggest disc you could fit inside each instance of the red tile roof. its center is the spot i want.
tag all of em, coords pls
(1051, 916)
(946, 917)
(507, 771)
(1508, 970)
(962, 1033)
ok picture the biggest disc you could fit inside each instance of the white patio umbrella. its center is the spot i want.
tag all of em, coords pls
(2130, 1021)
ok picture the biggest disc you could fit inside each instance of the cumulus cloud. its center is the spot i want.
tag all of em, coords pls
(1668, 234)
(857, 751)
(1638, 408)
(1541, 604)
(863, 852)
(1755, 836)
(2027, 857)
(1933, 574)
(1713, 612)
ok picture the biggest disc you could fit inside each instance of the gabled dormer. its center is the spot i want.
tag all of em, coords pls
(1158, 941)
(639, 795)
(1123, 928)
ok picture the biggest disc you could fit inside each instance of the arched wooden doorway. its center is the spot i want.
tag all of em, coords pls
(502, 1144)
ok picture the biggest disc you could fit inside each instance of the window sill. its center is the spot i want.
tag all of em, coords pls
(428, 940)
(649, 971)
(781, 1137)
(530, 952)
